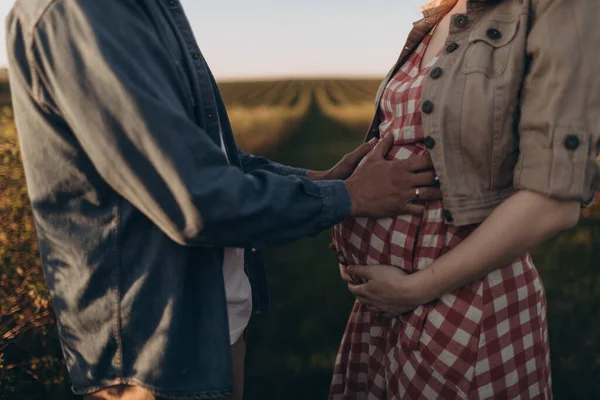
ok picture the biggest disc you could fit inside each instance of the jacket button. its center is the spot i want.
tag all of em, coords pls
(572, 142)
(494, 34)
(172, 3)
(253, 250)
(452, 47)
(429, 142)
(435, 73)
(427, 107)
(196, 55)
(461, 21)
(448, 216)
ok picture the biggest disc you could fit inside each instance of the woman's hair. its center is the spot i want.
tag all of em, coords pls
(437, 3)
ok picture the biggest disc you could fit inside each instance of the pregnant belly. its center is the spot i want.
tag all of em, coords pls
(408, 242)
(367, 241)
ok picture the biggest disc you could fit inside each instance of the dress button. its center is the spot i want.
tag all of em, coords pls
(494, 34)
(461, 21)
(452, 47)
(448, 216)
(572, 142)
(427, 107)
(435, 73)
(429, 142)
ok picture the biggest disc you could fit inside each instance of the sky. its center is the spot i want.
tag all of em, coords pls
(244, 39)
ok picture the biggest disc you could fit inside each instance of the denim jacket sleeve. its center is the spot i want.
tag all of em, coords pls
(253, 163)
(103, 69)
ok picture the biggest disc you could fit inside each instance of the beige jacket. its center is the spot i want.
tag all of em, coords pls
(512, 103)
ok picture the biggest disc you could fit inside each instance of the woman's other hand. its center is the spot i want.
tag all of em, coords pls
(343, 265)
(387, 289)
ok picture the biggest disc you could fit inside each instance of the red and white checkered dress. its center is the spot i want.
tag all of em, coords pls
(488, 340)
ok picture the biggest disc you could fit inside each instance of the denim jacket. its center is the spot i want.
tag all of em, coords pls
(119, 120)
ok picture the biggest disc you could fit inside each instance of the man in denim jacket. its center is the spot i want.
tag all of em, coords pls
(143, 203)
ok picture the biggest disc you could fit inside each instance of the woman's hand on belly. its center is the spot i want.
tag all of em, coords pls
(387, 289)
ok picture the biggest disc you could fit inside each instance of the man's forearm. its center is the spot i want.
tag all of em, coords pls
(519, 224)
(252, 163)
(318, 175)
(132, 125)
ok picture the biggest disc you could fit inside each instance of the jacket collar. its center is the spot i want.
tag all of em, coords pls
(437, 8)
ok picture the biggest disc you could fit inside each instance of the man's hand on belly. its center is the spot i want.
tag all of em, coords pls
(387, 188)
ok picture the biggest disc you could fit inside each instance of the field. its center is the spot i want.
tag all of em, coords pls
(307, 123)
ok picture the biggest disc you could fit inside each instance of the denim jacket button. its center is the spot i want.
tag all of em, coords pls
(572, 142)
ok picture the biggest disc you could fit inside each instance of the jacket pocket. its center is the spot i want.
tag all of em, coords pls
(489, 46)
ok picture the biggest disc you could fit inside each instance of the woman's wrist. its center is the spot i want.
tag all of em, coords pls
(422, 288)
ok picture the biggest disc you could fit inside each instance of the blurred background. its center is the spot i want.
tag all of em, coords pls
(299, 80)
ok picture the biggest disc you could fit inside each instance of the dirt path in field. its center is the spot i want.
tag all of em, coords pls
(308, 295)
(317, 143)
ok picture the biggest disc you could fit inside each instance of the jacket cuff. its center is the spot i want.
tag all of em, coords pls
(336, 203)
(285, 170)
(567, 171)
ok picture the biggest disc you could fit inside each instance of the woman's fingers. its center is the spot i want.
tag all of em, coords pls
(345, 275)
(367, 303)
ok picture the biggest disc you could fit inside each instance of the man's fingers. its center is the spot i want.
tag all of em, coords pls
(423, 179)
(429, 193)
(415, 209)
(361, 151)
(383, 147)
(419, 163)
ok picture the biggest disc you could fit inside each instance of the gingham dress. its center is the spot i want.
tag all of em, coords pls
(486, 340)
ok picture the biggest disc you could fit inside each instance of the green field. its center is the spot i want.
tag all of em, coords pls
(307, 123)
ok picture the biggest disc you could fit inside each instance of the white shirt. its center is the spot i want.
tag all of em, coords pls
(237, 288)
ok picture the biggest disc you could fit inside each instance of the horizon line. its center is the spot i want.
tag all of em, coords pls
(292, 76)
